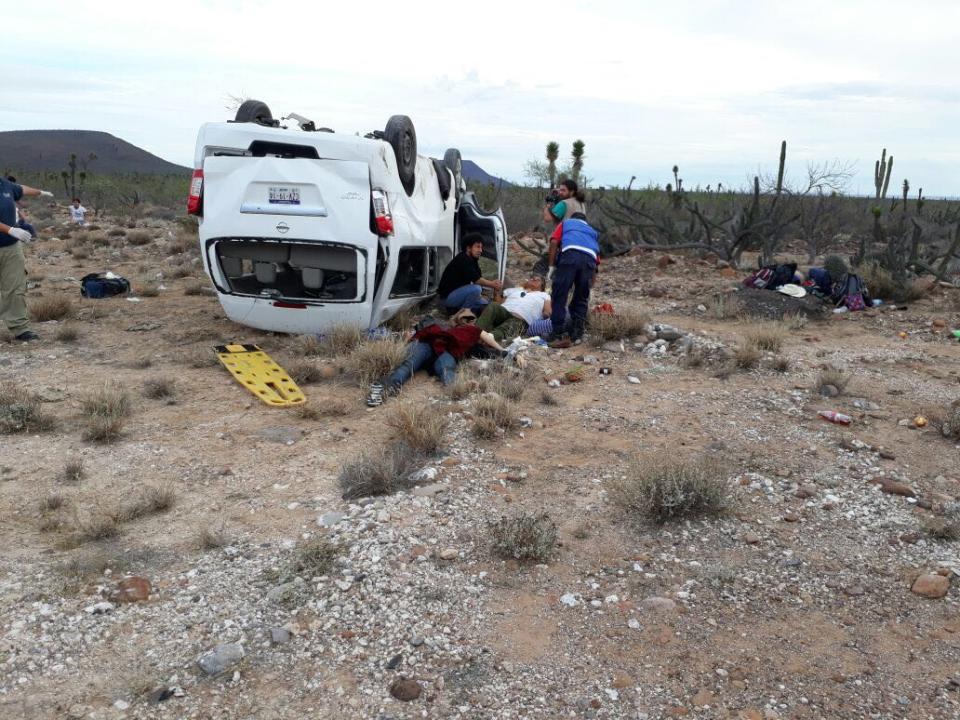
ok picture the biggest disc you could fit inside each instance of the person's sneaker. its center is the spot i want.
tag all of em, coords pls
(26, 336)
(375, 397)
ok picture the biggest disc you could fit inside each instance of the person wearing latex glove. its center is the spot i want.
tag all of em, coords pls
(13, 272)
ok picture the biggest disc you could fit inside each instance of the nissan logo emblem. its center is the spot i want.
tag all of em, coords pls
(282, 227)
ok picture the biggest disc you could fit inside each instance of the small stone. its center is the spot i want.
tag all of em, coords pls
(416, 641)
(121, 705)
(405, 690)
(807, 490)
(429, 490)
(279, 636)
(829, 390)
(633, 379)
(221, 658)
(892, 487)
(614, 346)
(621, 681)
(703, 698)
(344, 585)
(614, 695)
(659, 604)
(633, 624)
(330, 519)
(100, 608)
(791, 517)
(77, 711)
(854, 590)
(394, 662)
(568, 599)
(525, 422)
(131, 589)
(931, 585)
(751, 538)
(449, 554)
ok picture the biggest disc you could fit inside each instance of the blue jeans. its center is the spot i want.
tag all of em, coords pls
(24, 225)
(575, 270)
(419, 356)
(468, 296)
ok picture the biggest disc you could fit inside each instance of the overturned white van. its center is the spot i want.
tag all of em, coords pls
(302, 229)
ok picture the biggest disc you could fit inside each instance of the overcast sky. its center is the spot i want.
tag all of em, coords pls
(711, 85)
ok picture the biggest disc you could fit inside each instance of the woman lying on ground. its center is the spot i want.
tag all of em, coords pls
(438, 349)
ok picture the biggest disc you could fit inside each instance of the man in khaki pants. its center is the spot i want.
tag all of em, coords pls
(13, 273)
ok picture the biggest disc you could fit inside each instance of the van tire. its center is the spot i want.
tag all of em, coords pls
(452, 159)
(443, 178)
(403, 139)
(255, 111)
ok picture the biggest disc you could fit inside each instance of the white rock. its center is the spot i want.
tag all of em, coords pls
(568, 599)
(633, 379)
(633, 624)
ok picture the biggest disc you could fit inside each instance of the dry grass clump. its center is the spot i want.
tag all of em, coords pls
(314, 410)
(313, 558)
(524, 537)
(152, 500)
(492, 411)
(161, 388)
(79, 253)
(781, 364)
(67, 334)
(102, 526)
(747, 358)
(88, 565)
(379, 471)
(211, 538)
(138, 237)
(340, 340)
(548, 397)
(942, 528)
(883, 285)
(141, 363)
(55, 307)
(765, 337)
(51, 502)
(73, 472)
(116, 232)
(148, 289)
(305, 373)
(194, 287)
(104, 412)
(836, 377)
(510, 385)
(724, 306)
(21, 411)
(373, 359)
(663, 488)
(625, 323)
(419, 426)
(946, 419)
(200, 357)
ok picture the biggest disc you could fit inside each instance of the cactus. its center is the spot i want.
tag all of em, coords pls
(783, 162)
(882, 169)
(577, 157)
(553, 152)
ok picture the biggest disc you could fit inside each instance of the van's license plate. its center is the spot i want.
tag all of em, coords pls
(284, 196)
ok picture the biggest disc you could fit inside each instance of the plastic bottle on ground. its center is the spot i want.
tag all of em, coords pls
(835, 417)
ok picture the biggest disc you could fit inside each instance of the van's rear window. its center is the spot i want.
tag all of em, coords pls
(262, 148)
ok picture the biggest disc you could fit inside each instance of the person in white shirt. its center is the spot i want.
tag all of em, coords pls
(78, 212)
(521, 306)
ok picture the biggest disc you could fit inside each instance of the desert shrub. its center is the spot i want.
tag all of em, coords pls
(151, 500)
(104, 412)
(87, 565)
(836, 377)
(73, 472)
(548, 397)
(117, 232)
(495, 409)
(373, 359)
(419, 426)
(524, 537)
(484, 427)
(56, 307)
(148, 289)
(626, 323)
(211, 538)
(67, 334)
(79, 253)
(314, 410)
(313, 558)
(21, 411)
(882, 284)
(747, 357)
(379, 471)
(942, 528)
(663, 488)
(51, 502)
(945, 418)
(178, 272)
(194, 287)
(510, 385)
(723, 306)
(101, 526)
(795, 321)
(836, 266)
(726, 369)
(781, 364)
(161, 388)
(139, 237)
(765, 337)
(200, 357)
(304, 373)
(340, 340)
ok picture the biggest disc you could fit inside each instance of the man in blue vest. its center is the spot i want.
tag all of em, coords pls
(575, 251)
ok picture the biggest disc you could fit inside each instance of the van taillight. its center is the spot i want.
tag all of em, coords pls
(195, 200)
(381, 213)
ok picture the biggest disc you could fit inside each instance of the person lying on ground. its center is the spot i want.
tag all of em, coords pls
(521, 307)
(462, 283)
(575, 253)
(436, 348)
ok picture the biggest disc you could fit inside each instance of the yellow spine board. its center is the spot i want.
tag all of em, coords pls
(259, 374)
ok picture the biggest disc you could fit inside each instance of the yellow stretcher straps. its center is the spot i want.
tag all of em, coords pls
(258, 372)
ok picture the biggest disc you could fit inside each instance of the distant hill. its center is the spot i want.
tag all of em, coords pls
(39, 150)
(474, 173)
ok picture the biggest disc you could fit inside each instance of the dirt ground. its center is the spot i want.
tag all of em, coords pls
(795, 603)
